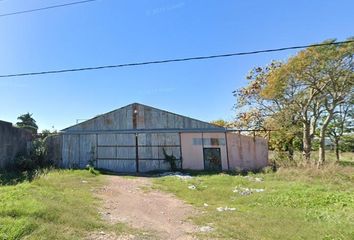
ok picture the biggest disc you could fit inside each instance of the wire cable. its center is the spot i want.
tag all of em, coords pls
(171, 60)
(45, 8)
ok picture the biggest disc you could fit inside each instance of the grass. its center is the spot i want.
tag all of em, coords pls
(346, 158)
(296, 204)
(56, 205)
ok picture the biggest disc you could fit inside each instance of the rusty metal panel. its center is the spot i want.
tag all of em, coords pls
(141, 117)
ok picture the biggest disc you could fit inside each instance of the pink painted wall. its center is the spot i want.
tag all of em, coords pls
(242, 152)
(246, 152)
(192, 153)
(192, 149)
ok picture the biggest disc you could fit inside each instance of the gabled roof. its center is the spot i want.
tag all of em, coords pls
(147, 117)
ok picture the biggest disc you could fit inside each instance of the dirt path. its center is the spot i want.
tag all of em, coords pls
(127, 200)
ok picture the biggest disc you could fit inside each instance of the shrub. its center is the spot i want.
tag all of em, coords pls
(24, 163)
(171, 159)
(36, 158)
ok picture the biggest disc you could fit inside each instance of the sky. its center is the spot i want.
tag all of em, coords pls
(106, 32)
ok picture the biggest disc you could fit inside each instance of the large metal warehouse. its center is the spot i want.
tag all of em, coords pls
(132, 139)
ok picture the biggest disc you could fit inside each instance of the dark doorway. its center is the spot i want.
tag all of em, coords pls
(212, 159)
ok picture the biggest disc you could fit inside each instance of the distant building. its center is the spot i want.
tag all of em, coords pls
(132, 139)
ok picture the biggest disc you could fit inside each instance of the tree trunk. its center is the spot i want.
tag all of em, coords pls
(306, 141)
(336, 149)
(321, 152)
(291, 149)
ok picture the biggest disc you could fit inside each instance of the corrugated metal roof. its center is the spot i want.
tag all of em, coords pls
(158, 119)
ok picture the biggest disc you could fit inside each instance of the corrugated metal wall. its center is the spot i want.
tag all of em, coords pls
(150, 150)
(120, 152)
(116, 152)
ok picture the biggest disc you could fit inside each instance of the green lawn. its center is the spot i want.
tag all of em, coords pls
(296, 204)
(58, 205)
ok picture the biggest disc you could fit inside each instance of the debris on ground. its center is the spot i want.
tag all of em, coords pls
(179, 175)
(258, 190)
(222, 209)
(254, 179)
(192, 187)
(206, 229)
(83, 181)
(205, 205)
(247, 191)
(106, 236)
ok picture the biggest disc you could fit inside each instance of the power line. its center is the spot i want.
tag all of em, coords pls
(171, 60)
(45, 8)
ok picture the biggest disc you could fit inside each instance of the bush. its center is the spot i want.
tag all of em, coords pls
(36, 158)
(282, 159)
(171, 159)
(347, 143)
(24, 163)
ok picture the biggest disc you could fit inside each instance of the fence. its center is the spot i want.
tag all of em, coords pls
(13, 140)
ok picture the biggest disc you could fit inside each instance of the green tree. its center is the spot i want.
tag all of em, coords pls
(46, 133)
(302, 93)
(27, 121)
(342, 123)
(220, 123)
(347, 143)
(323, 77)
(255, 110)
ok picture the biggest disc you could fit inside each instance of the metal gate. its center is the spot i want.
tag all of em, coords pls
(136, 152)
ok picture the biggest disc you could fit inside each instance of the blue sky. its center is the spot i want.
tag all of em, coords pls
(112, 32)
